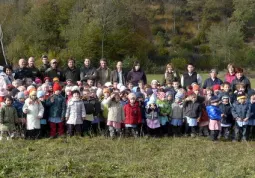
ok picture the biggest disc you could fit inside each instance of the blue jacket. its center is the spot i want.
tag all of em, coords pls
(18, 106)
(241, 110)
(226, 110)
(252, 111)
(58, 107)
(214, 112)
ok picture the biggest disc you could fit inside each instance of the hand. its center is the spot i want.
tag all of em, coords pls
(52, 99)
(222, 115)
(62, 118)
(238, 119)
(245, 119)
(112, 95)
(198, 119)
(39, 117)
(26, 111)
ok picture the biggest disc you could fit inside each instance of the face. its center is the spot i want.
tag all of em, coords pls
(169, 85)
(106, 94)
(45, 89)
(152, 106)
(8, 102)
(71, 64)
(242, 101)
(213, 74)
(253, 99)
(53, 65)
(141, 85)
(8, 71)
(41, 99)
(57, 92)
(225, 101)
(45, 60)
(208, 92)
(241, 89)
(196, 92)
(31, 62)
(193, 98)
(170, 69)
(239, 75)
(130, 86)
(176, 85)
(76, 95)
(154, 85)
(137, 67)
(22, 100)
(29, 81)
(231, 69)
(87, 62)
(103, 64)
(132, 100)
(117, 98)
(85, 94)
(119, 65)
(90, 82)
(169, 98)
(190, 68)
(22, 63)
(115, 85)
(226, 88)
(33, 97)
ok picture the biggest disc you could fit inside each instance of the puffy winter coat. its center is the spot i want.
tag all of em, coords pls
(133, 114)
(214, 112)
(75, 112)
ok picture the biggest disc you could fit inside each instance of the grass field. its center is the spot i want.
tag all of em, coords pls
(127, 157)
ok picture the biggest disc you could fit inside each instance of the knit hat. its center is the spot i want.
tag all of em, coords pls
(46, 78)
(37, 80)
(33, 92)
(30, 87)
(40, 94)
(216, 87)
(154, 82)
(149, 91)
(195, 87)
(55, 79)
(75, 88)
(214, 71)
(139, 95)
(99, 92)
(20, 95)
(56, 87)
(161, 95)
(214, 99)
(108, 84)
(122, 88)
(189, 93)
(152, 100)
(241, 95)
(224, 97)
(179, 95)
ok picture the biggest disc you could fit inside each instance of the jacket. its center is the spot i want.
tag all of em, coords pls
(177, 111)
(73, 74)
(241, 111)
(210, 83)
(88, 73)
(133, 114)
(243, 80)
(75, 112)
(164, 107)
(58, 107)
(52, 73)
(152, 114)
(43, 68)
(115, 77)
(252, 111)
(92, 106)
(8, 117)
(103, 75)
(135, 76)
(170, 77)
(35, 110)
(35, 72)
(115, 111)
(191, 109)
(214, 112)
(226, 110)
(18, 106)
(229, 78)
(22, 73)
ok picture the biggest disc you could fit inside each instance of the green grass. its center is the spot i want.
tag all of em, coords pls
(101, 157)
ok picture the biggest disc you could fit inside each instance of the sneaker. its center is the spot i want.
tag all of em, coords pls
(1, 138)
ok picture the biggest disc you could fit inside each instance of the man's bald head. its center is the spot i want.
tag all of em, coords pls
(22, 63)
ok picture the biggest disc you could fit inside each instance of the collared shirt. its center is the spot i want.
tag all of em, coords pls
(120, 77)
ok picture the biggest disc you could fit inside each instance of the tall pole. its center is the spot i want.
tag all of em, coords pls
(2, 45)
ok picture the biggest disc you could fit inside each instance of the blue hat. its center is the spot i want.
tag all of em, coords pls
(152, 100)
(40, 94)
(20, 95)
(149, 91)
(215, 99)
(179, 95)
(139, 95)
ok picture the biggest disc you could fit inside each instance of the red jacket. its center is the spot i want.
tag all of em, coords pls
(133, 114)
(229, 78)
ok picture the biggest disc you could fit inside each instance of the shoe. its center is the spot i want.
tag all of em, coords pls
(193, 135)
(1, 138)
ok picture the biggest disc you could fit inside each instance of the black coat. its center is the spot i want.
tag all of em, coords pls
(115, 77)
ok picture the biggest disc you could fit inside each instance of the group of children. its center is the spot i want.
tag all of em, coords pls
(42, 109)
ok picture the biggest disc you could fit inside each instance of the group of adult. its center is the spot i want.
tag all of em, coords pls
(99, 76)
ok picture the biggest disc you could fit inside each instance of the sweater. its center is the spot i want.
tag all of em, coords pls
(192, 110)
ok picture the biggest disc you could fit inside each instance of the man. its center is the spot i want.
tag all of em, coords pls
(31, 66)
(22, 72)
(118, 75)
(213, 80)
(103, 73)
(190, 77)
(72, 72)
(45, 65)
(240, 78)
(88, 72)
(53, 71)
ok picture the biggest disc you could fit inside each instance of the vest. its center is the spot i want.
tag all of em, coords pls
(188, 80)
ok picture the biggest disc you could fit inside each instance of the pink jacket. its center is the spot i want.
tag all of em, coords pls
(229, 78)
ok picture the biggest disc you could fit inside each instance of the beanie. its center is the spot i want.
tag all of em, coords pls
(20, 95)
(40, 94)
(216, 87)
(56, 87)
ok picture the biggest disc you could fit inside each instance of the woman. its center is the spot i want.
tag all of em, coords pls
(6, 77)
(231, 75)
(170, 75)
(136, 75)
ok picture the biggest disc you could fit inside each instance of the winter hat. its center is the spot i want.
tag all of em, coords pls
(154, 82)
(189, 93)
(152, 100)
(99, 92)
(214, 71)
(139, 95)
(216, 87)
(55, 79)
(224, 97)
(195, 87)
(26, 93)
(169, 93)
(38, 81)
(179, 95)
(30, 87)
(241, 95)
(75, 88)
(214, 99)
(108, 84)
(161, 95)
(20, 95)
(40, 94)
(46, 78)
(21, 88)
(149, 92)
(3, 91)
(56, 87)
(33, 92)
(122, 88)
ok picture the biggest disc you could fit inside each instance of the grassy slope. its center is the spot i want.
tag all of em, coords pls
(100, 157)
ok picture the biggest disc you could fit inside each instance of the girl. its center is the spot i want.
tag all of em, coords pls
(115, 115)
(34, 110)
(18, 104)
(177, 115)
(8, 118)
(214, 115)
(133, 115)
(152, 115)
(75, 114)
(251, 124)
(44, 119)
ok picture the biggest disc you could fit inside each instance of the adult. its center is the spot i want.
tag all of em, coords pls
(212, 80)
(136, 75)
(240, 78)
(45, 64)
(6, 77)
(191, 76)
(71, 72)
(22, 72)
(170, 75)
(87, 72)
(230, 75)
(103, 73)
(118, 75)
(53, 71)
(34, 71)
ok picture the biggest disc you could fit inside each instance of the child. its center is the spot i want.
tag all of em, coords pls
(214, 115)
(44, 119)
(57, 108)
(75, 114)
(241, 114)
(152, 115)
(133, 115)
(216, 90)
(226, 117)
(208, 96)
(8, 118)
(21, 124)
(192, 113)
(177, 115)
(115, 115)
(164, 112)
(251, 123)
(34, 110)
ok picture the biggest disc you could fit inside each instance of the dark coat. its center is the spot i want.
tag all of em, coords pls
(135, 76)
(115, 77)
(22, 73)
(52, 73)
(73, 74)
(88, 73)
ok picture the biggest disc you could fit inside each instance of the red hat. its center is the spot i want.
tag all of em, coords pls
(189, 93)
(56, 87)
(216, 87)
(46, 78)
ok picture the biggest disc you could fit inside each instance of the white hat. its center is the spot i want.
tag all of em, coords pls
(108, 84)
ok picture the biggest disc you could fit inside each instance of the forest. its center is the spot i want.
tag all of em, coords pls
(209, 33)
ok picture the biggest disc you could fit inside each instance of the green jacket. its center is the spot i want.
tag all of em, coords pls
(164, 107)
(8, 116)
(58, 107)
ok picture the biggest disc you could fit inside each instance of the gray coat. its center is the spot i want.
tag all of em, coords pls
(75, 112)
